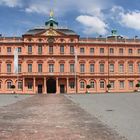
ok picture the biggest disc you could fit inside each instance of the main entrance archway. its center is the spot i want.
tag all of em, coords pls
(51, 85)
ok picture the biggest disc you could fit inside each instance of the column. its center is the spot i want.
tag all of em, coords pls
(45, 87)
(57, 86)
(3, 86)
(23, 85)
(67, 85)
(34, 88)
(77, 85)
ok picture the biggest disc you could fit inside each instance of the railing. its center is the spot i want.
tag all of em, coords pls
(10, 40)
(108, 40)
(69, 74)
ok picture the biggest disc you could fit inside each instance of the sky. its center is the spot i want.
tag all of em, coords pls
(88, 18)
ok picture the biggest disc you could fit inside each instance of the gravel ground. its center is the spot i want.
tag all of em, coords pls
(119, 111)
(10, 99)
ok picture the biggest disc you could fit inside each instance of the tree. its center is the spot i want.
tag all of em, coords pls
(87, 87)
(12, 86)
(138, 86)
(109, 86)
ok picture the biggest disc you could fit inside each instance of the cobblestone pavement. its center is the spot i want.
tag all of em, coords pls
(51, 117)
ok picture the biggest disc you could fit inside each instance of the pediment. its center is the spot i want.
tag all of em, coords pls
(50, 32)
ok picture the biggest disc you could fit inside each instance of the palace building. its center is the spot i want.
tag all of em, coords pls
(57, 60)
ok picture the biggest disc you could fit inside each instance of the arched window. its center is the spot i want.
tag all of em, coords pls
(102, 84)
(82, 84)
(9, 83)
(91, 68)
(130, 67)
(139, 67)
(92, 84)
(20, 85)
(0, 85)
(121, 68)
(101, 67)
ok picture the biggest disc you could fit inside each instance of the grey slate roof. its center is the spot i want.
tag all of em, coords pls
(39, 30)
(67, 31)
(34, 31)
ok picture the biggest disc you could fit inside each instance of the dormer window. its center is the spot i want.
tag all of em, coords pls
(51, 24)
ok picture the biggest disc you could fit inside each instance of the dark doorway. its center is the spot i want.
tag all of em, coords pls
(39, 89)
(62, 88)
(51, 86)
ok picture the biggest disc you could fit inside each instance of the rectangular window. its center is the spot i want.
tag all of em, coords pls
(82, 50)
(111, 50)
(131, 84)
(82, 67)
(0, 85)
(71, 49)
(92, 84)
(91, 50)
(61, 67)
(19, 68)
(9, 85)
(8, 68)
(71, 67)
(138, 51)
(91, 68)
(102, 84)
(51, 49)
(19, 50)
(29, 49)
(20, 85)
(30, 85)
(121, 68)
(72, 85)
(51, 67)
(40, 49)
(121, 84)
(138, 67)
(121, 51)
(111, 68)
(8, 50)
(130, 51)
(62, 49)
(101, 50)
(112, 83)
(101, 68)
(39, 67)
(130, 67)
(29, 67)
(82, 85)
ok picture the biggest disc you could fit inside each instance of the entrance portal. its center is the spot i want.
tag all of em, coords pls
(62, 88)
(39, 89)
(51, 86)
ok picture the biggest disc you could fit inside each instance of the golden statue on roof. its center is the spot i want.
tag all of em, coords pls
(51, 13)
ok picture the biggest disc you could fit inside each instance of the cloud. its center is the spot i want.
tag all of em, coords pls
(92, 7)
(92, 24)
(129, 19)
(10, 3)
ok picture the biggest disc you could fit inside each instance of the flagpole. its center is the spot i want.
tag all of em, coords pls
(16, 64)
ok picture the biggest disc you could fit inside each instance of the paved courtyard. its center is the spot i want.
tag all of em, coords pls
(121, 112)
(52, 117)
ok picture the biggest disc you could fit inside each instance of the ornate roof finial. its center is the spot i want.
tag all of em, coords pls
(51, 13)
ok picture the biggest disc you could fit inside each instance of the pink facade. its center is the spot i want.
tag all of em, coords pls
(52, 60)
